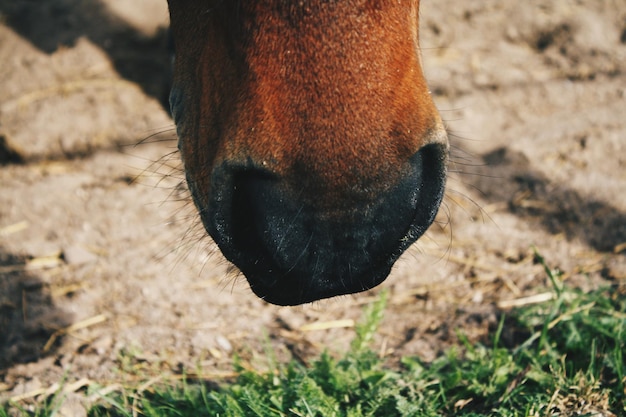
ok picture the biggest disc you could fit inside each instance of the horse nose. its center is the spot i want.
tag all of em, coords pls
(297, 244)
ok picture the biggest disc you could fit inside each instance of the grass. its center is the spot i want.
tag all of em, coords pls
(559, 358)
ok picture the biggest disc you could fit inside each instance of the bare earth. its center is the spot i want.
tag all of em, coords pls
(104, 267)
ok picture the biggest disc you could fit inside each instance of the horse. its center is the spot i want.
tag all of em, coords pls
(311, 145)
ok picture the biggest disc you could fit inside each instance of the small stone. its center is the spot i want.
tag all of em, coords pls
(224, 343)
(77, 255)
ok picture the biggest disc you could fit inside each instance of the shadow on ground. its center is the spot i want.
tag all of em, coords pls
(28, 316)
(507, 176)
(51, 25)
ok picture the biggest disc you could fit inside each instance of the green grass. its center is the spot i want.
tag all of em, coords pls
(562, 358)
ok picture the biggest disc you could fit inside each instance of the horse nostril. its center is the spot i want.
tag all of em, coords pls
(271, 229)
(252, 219)
(256, 205)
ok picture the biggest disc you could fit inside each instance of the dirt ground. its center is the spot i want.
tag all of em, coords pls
(104, 267)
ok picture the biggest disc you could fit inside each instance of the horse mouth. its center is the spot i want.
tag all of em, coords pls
(292, 252)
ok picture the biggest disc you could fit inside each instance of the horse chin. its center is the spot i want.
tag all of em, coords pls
(293, 289)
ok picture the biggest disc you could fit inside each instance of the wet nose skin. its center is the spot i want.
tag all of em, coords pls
(294, 249)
